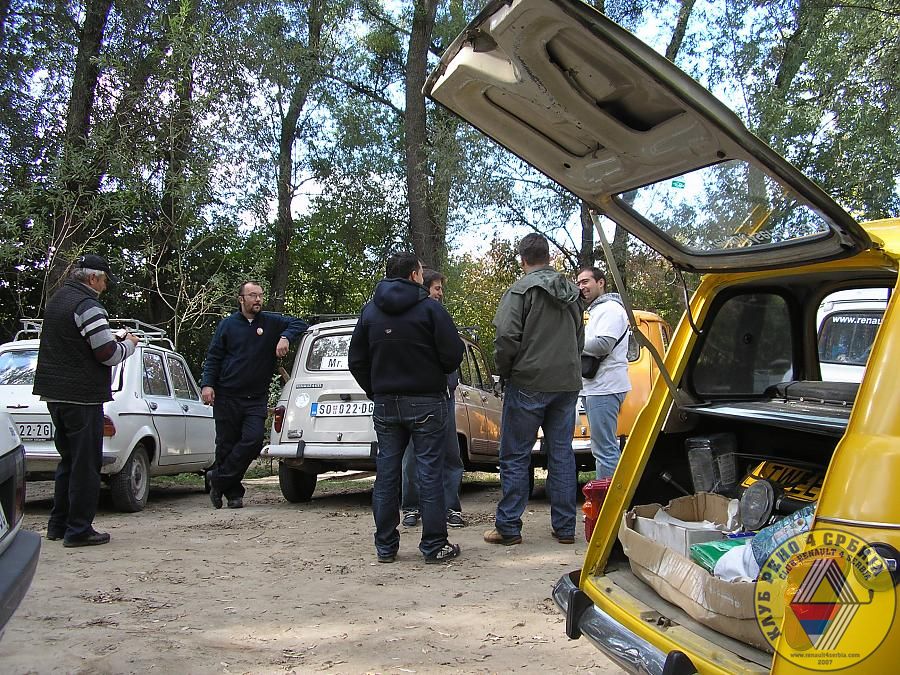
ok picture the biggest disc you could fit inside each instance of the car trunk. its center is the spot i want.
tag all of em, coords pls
(784, 425)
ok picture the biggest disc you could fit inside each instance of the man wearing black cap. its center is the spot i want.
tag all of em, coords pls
(74, 368)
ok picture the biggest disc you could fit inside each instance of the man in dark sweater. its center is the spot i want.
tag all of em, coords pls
(73, 372)
(402, 349)
(236, 375)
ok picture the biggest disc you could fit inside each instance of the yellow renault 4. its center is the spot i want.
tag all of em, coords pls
(744, 453)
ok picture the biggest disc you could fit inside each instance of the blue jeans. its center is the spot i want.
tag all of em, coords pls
(603, 416)
(398, 419)
(523, 412)
(453, 469)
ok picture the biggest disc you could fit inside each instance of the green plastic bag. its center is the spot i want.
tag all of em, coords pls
(708, 553)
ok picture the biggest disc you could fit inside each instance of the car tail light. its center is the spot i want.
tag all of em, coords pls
(109, 429)
(278, 421)
(594, 496)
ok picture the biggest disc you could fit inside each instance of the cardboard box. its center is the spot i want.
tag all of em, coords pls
(725, 606)
(677, 537)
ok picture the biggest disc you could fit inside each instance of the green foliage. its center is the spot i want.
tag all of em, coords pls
(176, 179)
(475, 286)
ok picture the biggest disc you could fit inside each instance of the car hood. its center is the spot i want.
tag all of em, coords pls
(621, 127)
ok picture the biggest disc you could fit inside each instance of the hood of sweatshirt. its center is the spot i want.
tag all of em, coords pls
(555, 284)
(395, 296)
(607, 297)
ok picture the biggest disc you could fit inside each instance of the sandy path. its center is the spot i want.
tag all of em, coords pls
(279, 587)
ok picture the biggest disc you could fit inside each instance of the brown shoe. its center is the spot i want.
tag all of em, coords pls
(563, 538)
(494, 537)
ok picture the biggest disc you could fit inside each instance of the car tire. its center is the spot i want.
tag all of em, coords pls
(296, 485)
(131, 486)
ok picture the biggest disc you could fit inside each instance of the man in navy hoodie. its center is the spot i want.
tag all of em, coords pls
(403, 347)
(236, 375)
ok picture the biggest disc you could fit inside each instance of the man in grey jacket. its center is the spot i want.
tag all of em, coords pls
(540, 335)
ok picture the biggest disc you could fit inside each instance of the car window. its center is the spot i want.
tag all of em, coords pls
(17, 367)
(181, 381)
(483, 379)
(329, 352)
(847, 336)
(156, 383)
(748, 346)
(466, 375)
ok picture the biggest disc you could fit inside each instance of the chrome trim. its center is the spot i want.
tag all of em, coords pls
(858, 523)
(630, 652)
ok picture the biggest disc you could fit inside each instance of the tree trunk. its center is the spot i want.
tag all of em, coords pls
(428, 236)
(684, 14)
(68, 225)
(165, 286)
(310, 74)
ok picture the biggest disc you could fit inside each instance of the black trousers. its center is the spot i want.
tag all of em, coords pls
(79, 441)
(240, 427)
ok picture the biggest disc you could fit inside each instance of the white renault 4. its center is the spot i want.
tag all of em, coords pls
(155, 425)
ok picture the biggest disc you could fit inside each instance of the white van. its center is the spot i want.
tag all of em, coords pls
(847, 322)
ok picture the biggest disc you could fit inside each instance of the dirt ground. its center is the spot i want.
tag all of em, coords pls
(278, 587)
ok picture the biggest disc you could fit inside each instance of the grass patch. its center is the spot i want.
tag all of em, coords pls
(188, 479)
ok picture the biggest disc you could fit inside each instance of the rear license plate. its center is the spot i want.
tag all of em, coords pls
(342, 409)
(35, 431)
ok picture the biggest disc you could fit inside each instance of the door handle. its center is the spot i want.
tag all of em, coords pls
(153, 405)
(483, 398)
(184, 407)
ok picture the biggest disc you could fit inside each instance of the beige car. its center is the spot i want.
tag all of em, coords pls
(323, 420)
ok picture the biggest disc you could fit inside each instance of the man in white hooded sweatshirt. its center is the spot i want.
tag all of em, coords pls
(605, 336)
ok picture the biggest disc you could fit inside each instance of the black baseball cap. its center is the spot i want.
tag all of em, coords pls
(96, 262)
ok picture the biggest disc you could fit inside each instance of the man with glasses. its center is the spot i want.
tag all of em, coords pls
(73, 375)
(237, 372)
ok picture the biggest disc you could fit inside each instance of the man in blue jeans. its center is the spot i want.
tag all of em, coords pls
(453, 466)
(402, 349)
(537, 349)
(606, 338)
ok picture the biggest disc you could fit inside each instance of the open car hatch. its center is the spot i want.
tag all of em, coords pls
(602, 114)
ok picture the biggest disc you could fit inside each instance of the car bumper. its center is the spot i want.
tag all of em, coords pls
(629, 651)
(303, 450)
(42, 461)
(17, 565)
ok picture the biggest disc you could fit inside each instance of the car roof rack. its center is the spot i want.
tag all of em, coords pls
(145, 332)
(31, 329)
(322, 318)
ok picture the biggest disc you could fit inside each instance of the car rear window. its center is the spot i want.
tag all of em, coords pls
(17, 367)
(329, 352)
